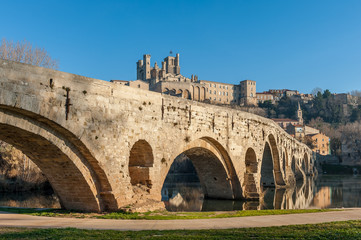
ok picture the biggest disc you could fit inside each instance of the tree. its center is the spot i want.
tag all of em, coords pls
(326, 94)
(355, 93)
(315, 91)
(24, 52)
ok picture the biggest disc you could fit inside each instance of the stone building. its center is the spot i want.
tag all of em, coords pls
(167, 79)
(248, 92)
(321, 143)
(222, 93)
(265, 96)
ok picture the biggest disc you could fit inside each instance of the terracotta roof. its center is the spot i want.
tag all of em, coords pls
(284, 120)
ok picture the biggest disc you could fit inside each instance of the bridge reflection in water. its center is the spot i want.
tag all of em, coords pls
(189, 197)
(328, 191)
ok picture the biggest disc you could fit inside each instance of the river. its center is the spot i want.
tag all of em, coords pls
(327, 191)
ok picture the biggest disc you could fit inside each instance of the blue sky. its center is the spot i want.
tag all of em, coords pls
(278, 43)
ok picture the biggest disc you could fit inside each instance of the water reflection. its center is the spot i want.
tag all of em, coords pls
(325, 192)
(184, 193)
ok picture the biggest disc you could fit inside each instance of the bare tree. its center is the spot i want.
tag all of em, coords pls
(316, 90)
(355, 93)
(24, 52)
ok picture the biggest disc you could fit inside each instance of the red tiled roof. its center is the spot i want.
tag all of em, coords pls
(284, 120)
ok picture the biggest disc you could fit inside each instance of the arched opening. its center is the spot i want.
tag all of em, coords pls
(267, 178)
(250, 188)
(62, 158)
(196, 93)
(202, 94)
(140, 161)
(166, 91)
(212, 167)
(186, 94)
(173, 92)
(279, 181)
(179, 93)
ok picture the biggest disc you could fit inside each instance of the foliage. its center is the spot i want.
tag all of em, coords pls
(335, 230)
(25, 52)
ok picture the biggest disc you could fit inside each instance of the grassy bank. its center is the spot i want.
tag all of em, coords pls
(164, 215)
(335, 230)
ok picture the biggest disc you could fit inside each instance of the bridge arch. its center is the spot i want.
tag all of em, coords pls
(271, 174)
(72, 171)
(214, 168)
(140, 161)
(250, 187)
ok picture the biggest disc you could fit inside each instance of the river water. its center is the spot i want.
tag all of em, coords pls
(327, 191)
(185, 194)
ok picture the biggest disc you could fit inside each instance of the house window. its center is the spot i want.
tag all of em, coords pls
(210, 91)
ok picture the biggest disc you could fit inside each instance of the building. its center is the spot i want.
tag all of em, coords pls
(248, 92)
(168, 79)
(222, 93)
(297, 131)
(321, 143)
(265, 96)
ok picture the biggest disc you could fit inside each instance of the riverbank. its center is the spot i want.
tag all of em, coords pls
(158, 215)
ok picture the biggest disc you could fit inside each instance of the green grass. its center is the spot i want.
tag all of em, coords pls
(203, 215)
(163, 215)
(336, 230)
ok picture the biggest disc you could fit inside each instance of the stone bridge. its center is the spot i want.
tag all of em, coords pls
(104, 146)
